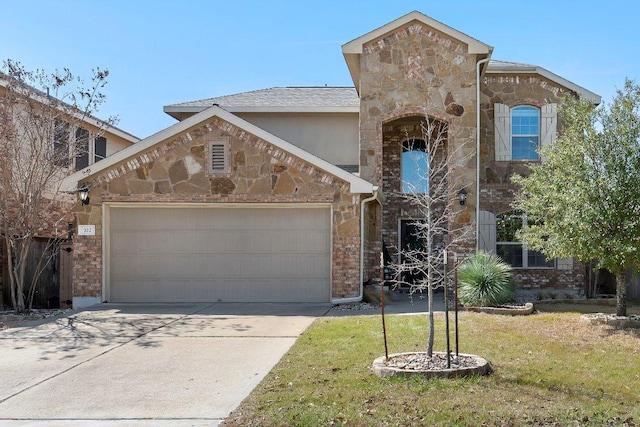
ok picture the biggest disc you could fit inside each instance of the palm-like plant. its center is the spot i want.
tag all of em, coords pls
(485, 280)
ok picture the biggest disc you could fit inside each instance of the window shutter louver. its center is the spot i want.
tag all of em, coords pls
(502, 126)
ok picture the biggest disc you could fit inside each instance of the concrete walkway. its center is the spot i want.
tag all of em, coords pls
(161, 365)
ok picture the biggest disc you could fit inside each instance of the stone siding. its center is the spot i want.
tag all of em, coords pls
(175, 171)
(511, 90)
(413, 73)
(496, 190)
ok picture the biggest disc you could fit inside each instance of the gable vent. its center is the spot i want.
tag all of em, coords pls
(219, 156)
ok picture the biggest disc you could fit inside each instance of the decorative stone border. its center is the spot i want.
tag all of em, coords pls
(507, 311)
(620, 322)
(381, 369)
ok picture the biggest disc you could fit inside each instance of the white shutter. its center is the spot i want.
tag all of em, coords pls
(502, 126)
(565, 264)
(487, 232)
(548, 125)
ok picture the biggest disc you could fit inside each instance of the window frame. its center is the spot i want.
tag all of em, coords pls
(76, 135)
(525, 250)
(513, 135)
(414, 186)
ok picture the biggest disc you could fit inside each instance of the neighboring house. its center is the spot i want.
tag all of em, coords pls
(94, 141)
(287, 194)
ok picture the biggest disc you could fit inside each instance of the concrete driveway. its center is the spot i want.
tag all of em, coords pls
(174, 364)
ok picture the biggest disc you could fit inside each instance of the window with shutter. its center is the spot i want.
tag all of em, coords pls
(520, 131)
(512, 251)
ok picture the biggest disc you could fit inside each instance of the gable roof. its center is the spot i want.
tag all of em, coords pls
(42, 97)
(353, 49)
(506, 67)
(357, 185)
(335, 99)
(319, 99)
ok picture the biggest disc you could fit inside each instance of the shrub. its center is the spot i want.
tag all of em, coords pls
(485, 280)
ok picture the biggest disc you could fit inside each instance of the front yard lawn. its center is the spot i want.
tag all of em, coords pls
(549, 369)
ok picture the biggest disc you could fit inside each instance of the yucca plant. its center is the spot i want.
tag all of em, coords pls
(485, 280)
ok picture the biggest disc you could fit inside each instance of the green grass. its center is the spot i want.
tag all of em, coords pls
(549, 369)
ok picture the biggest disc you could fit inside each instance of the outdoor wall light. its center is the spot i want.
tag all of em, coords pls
(84, 194)
(462, 195)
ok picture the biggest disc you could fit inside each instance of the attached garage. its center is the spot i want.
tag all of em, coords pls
(218, 252)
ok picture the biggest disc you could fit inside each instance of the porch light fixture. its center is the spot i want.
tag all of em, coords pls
(462, 195)
(84, 194)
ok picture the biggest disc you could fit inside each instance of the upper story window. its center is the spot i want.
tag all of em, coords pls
(77, 149)
(512, 251)
(520, 131)
(414, 167)
(525, 133)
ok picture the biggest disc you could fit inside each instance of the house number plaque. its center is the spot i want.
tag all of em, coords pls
(86, 230)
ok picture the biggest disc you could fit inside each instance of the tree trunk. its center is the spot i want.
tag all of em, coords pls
(431, 320)
(621, 294)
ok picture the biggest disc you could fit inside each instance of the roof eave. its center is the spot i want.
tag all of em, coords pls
(584, 93)
(42, 98)
(357, 185)
(259, 109)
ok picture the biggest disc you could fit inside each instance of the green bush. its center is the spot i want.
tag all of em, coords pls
(485, 280)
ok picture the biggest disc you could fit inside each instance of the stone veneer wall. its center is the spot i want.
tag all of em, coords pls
(175, 172)
(496, 190)
(417, 71)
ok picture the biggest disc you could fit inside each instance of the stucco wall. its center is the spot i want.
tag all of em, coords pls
(332, 137)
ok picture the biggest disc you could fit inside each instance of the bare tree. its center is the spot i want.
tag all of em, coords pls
(438, 230)
(43, 120)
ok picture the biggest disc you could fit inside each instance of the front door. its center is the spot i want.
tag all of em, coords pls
(413, 249)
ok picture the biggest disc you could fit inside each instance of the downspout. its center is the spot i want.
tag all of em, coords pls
(358, 298)
(478, 64)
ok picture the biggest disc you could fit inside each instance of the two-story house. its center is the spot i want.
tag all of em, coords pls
(287, 193)
(66, 140)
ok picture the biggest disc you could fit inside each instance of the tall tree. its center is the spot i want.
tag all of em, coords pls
(437, 231)
(583, 199)
(40, 115)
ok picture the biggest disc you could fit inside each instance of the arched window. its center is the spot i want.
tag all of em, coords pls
(525, 133)
(512, 251)
(520, 131)
(414, 166)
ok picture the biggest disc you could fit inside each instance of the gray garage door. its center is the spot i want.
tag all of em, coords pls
(187, 254)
